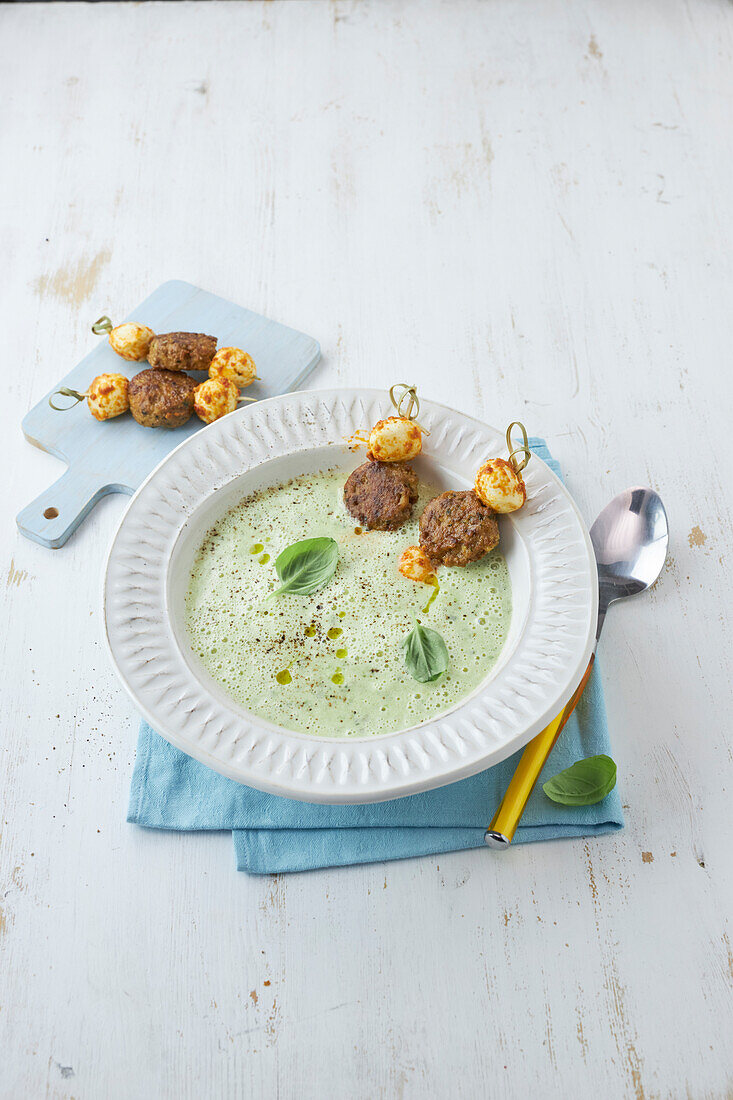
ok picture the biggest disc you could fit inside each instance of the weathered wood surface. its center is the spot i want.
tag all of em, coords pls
(526, 208)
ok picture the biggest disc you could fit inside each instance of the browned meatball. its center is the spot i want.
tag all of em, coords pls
(182, 351)
(381, 494)
(456, 528)
(161, 398)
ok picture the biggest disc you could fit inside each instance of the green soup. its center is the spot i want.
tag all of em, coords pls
(331, 664)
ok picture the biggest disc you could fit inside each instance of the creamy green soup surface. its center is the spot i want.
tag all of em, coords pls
(331, 664)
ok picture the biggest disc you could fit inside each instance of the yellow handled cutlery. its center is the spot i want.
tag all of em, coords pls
(630, 539)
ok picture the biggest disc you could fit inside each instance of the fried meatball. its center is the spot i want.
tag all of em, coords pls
(161, 398)
(381, 495)
(182, 351)
(456, 528)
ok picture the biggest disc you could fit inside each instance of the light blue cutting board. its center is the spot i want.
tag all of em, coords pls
(115, 456)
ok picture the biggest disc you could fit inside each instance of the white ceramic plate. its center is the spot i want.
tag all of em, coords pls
(546, 545)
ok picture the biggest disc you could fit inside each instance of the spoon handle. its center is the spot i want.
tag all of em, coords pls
(500, 832)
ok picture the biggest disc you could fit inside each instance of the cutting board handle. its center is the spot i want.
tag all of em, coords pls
(53, 517)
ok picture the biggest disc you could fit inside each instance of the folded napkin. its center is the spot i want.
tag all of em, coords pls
(170, 790)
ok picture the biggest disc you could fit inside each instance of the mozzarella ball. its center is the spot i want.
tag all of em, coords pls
(131, 340)
(215, 398)
(415, 565)
(394, 440)
(107, 396)
(499, 486)
(234, 364)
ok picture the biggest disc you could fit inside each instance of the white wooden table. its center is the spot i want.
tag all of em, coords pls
(527, 208)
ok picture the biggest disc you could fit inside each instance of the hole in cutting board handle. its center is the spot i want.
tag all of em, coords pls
(50, 513)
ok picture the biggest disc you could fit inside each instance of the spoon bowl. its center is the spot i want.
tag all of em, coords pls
(630, 539)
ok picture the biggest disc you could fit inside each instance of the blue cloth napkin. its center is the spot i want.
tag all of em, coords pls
(170, 790)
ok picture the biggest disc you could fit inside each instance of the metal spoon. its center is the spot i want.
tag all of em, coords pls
(630, 539)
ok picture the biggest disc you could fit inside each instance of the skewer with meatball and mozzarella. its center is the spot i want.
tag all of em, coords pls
(457, 528)
(382, 492)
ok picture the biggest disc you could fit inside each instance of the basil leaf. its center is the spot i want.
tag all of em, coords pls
(426, 655)
(304, 567)
(584, 783)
